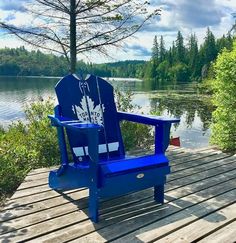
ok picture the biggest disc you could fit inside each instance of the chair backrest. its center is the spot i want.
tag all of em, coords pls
(90, 101)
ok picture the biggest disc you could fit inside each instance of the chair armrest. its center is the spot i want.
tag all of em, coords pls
(145, 119)
(89, 129)
(162, 127)
(72, 124)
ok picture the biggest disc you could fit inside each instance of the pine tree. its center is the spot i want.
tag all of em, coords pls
(169, 56)
(209, 47)
(193, 57)
(155, 59)
(230, 41)
(224, 42)
(180, 49)
(174, 53)
(162, 49)
(155, 50)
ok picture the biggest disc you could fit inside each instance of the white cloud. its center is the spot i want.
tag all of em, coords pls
(20, 19)
(10, 41)
(231, 4)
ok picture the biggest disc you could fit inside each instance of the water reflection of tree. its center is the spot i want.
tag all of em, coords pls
(188, 105)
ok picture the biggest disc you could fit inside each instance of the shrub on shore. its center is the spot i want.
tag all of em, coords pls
(26, 146)
(224, 98)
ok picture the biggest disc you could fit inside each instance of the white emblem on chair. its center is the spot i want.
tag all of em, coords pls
(95, 111)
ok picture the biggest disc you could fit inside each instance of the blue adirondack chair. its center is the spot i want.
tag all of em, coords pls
(87, 115)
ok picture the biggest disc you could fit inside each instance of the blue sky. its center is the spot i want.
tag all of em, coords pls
(184, 15)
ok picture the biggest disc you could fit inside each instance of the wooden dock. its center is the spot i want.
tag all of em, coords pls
(199, 207)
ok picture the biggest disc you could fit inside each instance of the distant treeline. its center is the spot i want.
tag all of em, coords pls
(185, 60)
(21, 62)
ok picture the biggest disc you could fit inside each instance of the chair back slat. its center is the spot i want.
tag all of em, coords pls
(91, 101)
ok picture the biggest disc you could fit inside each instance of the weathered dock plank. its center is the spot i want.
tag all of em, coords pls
(73, 205)
(168, 225)
(200, 194)
(227, 233)
(202, 226)
(151, 214)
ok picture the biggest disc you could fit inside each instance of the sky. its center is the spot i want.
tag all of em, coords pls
(188, 16)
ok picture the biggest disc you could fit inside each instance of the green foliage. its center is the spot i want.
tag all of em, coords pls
(163, 71)
(181, 62)
(20, 62)
(180, 49)
(179, 72)
(224, 98)
(122, 69)
(206, 86)
(27, 146)
(134, 135)
(193, 57)
(208, 49)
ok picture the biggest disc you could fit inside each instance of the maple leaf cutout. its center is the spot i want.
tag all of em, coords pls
(96, 112)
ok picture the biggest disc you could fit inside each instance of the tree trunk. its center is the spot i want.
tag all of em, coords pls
(72, 36)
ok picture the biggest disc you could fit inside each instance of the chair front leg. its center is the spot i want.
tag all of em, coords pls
(159, 193)
(93, 204)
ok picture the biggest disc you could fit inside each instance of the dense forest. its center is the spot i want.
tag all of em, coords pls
(185, 60)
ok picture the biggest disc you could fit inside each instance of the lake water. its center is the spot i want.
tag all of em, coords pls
(179, 100)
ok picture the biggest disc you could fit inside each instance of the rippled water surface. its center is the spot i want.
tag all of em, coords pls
(170, 100)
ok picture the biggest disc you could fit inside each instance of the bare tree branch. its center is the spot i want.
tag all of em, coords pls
(99, 24)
